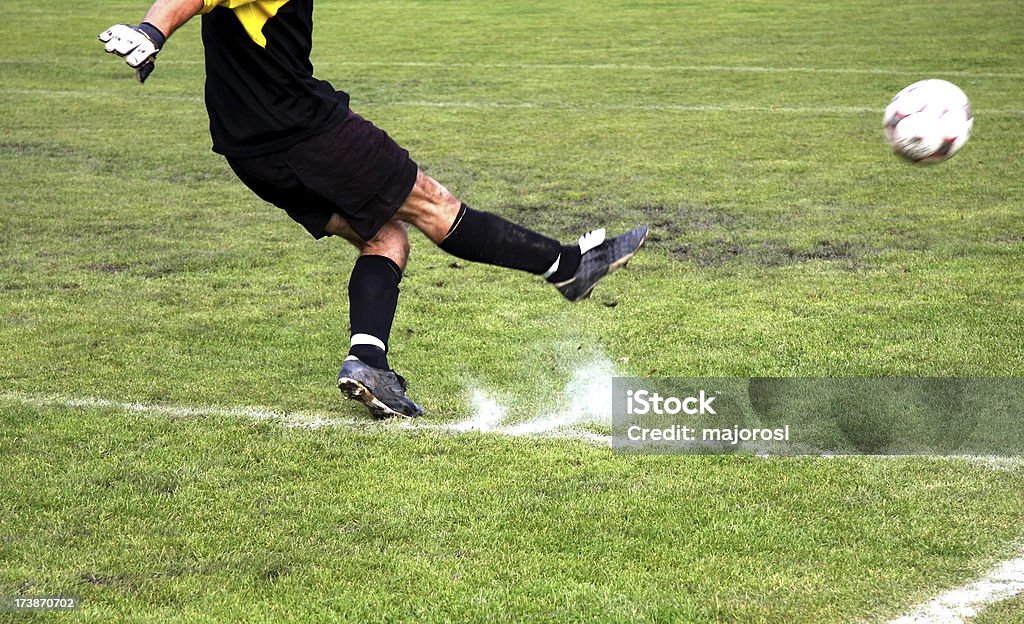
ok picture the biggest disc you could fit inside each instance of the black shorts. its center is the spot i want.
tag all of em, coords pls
(354, 169)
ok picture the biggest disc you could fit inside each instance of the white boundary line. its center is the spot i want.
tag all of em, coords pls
(490, 419)
(958, 605)
(309, 420)
(554, 106)
(289, 419)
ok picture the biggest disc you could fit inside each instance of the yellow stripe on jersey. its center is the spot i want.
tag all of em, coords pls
(253, 14)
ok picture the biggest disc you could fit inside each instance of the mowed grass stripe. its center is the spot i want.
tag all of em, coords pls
(631, 67)
(665, 108)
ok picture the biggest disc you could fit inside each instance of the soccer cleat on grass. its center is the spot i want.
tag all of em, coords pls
(381, 391)
(600, 257)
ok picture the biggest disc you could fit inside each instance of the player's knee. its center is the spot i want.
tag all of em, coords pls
(402, 243)
(391, 241)
(430, 207)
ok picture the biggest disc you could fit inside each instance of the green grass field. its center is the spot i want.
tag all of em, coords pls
(786, 241)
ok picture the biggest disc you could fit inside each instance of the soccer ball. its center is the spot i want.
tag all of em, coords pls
(928, 121)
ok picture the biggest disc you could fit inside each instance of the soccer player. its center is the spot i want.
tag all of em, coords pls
(295, 142)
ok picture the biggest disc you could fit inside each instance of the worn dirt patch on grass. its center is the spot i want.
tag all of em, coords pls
(770, 253)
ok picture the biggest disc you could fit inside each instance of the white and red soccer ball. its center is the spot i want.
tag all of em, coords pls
(928, 121)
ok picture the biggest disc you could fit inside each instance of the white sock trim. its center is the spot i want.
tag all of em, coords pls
(554, 267)
(367, 339)
(591, 239)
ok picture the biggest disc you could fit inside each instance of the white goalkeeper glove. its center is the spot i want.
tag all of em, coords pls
(137, 44)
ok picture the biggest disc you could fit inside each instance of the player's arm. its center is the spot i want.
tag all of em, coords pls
(169, 15)
(138, 45)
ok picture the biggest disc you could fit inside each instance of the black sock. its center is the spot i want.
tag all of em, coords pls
(568, 262)
(372, 301)
(484, 237)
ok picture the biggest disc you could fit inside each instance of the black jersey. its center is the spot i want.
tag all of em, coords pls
(260, 91)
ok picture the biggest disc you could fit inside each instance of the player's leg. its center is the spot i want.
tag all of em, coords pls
(481, 236)
(373, 287)
(373, 299)
(324, 185)
(485, 237)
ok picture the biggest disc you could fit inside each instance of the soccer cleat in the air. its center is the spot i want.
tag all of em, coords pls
(381, 391)
(600, 257)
